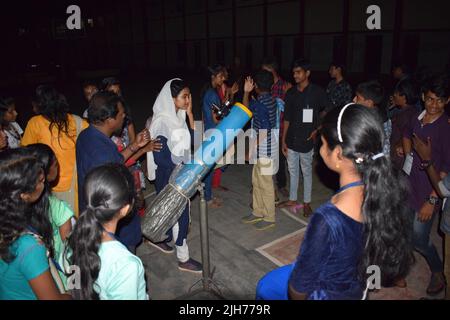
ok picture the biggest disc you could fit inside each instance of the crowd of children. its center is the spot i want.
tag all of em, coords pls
(71, 187)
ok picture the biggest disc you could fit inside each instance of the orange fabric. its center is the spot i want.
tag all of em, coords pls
(37, 131)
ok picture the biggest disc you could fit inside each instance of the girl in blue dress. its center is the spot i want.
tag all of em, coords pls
(364, 224)
(172, 106)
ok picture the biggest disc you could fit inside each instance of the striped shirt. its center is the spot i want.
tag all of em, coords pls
(264, 117)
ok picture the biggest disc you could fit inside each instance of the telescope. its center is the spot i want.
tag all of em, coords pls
(222, 110)
(167, 207)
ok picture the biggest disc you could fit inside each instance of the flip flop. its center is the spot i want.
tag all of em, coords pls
(295, 208)
(284, 204)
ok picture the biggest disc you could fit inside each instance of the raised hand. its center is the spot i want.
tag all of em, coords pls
(142, 138)
(189, 108)
(249, 85)
(287, 86)
(234, 89)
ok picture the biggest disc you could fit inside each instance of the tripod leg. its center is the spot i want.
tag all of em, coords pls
(204, 239)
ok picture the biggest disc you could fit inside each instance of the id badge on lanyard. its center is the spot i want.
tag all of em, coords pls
(308, 113)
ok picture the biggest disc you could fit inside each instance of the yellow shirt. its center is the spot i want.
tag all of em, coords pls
(37, 131)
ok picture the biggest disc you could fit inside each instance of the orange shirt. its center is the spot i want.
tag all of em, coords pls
(37, 131)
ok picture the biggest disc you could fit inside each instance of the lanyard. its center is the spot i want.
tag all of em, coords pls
(350, 185)
(112, 235)
(36, 234)
(307, 96)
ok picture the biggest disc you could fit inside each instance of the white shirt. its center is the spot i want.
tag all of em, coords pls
(14, 135)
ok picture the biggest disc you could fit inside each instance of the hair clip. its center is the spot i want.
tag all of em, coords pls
(379, 155)
(339, 132)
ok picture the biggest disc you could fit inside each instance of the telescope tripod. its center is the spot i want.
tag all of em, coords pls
(208, 284)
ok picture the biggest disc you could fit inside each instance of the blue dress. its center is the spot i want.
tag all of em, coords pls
(163, 160)
(327, 265)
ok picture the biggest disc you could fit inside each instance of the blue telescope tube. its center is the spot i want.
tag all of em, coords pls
(204, 158)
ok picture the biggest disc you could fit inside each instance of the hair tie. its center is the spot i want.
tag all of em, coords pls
(340, 121)
(359, 160)
(379, 155)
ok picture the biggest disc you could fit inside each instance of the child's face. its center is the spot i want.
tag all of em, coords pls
(89, 91)
(11, 114)
(332, 72)
(399, 100)
(35, 107)
(53, 171)
(359, 99)
(115, 88)
(219, 79)
(434, 104)
(300, 75)
(183, 99)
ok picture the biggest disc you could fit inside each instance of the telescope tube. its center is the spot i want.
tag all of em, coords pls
(167, 207)
(220, 140)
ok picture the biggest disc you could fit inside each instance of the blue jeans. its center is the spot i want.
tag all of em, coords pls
(424, 245)
(306, 163)
(274, 285)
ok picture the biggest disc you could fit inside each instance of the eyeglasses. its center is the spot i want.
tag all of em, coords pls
(431, 100)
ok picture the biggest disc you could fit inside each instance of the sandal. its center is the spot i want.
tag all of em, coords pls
(307, 210)
(286, 204)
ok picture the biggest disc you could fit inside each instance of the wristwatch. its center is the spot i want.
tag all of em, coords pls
(433, 200)
(425, 164)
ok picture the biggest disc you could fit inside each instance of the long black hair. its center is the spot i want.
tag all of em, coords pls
(19, 173)
(212, 72)
(387, 226)
(176, 86)
(53, 106)
(45, 155)
(107, 189)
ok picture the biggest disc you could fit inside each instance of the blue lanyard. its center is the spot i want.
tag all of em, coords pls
(34, 231)
(350, 185)
(112, 235)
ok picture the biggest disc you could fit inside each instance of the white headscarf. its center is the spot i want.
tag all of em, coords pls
(169, 123)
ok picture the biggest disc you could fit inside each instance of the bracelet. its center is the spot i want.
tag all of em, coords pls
(132, 149)
(433, 200)
(426, 164)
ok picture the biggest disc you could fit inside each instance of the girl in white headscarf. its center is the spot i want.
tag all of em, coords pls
(168, 125)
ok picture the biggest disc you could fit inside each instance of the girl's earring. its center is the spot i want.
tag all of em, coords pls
(337, 165)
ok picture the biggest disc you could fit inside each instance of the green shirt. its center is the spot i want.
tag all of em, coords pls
(60, 213)
(121, 276)
(30, 262)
